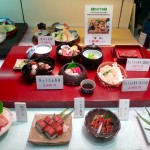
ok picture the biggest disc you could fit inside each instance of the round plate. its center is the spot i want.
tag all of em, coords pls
(7, 113)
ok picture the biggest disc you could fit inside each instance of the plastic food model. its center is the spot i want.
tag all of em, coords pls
(54, 126)
(104, 121)
(66, 50)
(73, 69)
(64, 35)
(111, 74)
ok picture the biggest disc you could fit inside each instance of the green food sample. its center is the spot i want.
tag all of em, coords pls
(1, 107)
(90, 55)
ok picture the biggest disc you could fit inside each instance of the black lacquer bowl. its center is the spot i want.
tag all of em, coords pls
(89, 62)
(63, 59)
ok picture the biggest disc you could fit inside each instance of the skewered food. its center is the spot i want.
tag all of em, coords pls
(53, 126)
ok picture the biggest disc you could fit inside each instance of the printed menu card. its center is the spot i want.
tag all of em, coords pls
(98, 24)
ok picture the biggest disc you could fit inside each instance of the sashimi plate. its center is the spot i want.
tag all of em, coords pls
(38, 138)
(145, 127)
(7, 113)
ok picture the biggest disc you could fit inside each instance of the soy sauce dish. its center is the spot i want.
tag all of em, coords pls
(87, 86)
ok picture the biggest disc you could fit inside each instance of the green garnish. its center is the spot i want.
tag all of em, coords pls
(144, 119)
(71, 65)
(1, 107)
(106, 72)
(90, 55)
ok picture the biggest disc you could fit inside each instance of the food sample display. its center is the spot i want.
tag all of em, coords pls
(111, 74)
(65, 35)
(51, 129)
(102, 123)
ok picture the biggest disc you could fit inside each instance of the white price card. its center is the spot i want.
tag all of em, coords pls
(124, 105)
(135, 84)
(21, 111)
(46, 40)
(79, 106)
(142, 38)
(135, 64)
(49, 82)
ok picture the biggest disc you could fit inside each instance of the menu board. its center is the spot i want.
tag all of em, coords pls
(98, 24)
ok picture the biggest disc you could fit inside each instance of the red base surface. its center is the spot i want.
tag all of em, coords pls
(13, 89)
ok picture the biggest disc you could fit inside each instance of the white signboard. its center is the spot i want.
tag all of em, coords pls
(98, 24)
(135, 84)
(46, 40)
(49, 82)
(79, 106)
(135, 64)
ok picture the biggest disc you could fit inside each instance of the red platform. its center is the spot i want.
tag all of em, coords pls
(13, 89)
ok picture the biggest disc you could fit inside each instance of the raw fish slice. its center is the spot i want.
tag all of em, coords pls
(3, 120)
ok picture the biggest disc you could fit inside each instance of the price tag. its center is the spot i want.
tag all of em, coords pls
(21, 111)
(49, 82)
(135, 84)
(124, 109)
(135, 64)
(46, 40)
(79, 105)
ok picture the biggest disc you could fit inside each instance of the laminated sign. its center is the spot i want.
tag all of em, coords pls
(98, 24)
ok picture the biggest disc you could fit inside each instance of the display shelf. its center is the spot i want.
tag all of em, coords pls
(14, 89)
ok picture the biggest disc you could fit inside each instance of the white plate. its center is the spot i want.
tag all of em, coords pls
(19, 64)
(145, 125)
(7, 113)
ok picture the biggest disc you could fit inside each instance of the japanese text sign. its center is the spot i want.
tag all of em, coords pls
(135, 84)
(134, 64)
(49, 82)
(46, 40)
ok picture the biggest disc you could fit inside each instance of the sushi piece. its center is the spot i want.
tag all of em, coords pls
(40, 125)
(3, 121)
(49, 120)
(50, 132)
(58, 128)
(58, 119)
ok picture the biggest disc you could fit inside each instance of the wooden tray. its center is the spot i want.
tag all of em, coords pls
(36, 137)
(121, 48)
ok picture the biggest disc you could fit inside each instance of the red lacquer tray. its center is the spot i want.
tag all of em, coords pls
(122, 52)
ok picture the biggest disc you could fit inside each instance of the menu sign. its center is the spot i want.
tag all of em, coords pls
(98, 24)
(135, 84)
(49, 82)
(46, 40)
(135, 64)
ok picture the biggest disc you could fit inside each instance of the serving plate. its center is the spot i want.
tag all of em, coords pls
(19, 64)
(37, 138)
(122, 52)
(7, 113)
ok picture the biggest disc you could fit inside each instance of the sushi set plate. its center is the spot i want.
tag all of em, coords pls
(38, 138)
(6, 113)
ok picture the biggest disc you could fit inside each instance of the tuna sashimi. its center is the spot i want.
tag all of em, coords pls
(3, 121)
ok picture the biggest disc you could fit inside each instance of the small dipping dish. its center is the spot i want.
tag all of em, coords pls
(87, 86)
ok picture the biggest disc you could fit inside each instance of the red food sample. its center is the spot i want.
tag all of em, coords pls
(58, 128)
(40, 125)
(3, 121)
(58, 119)
(49, 120)
(50, 131)
(128, 53)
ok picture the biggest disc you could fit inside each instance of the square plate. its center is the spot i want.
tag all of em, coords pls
(145, 125)
(122, 52)
(19, 64)
(36, 137)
